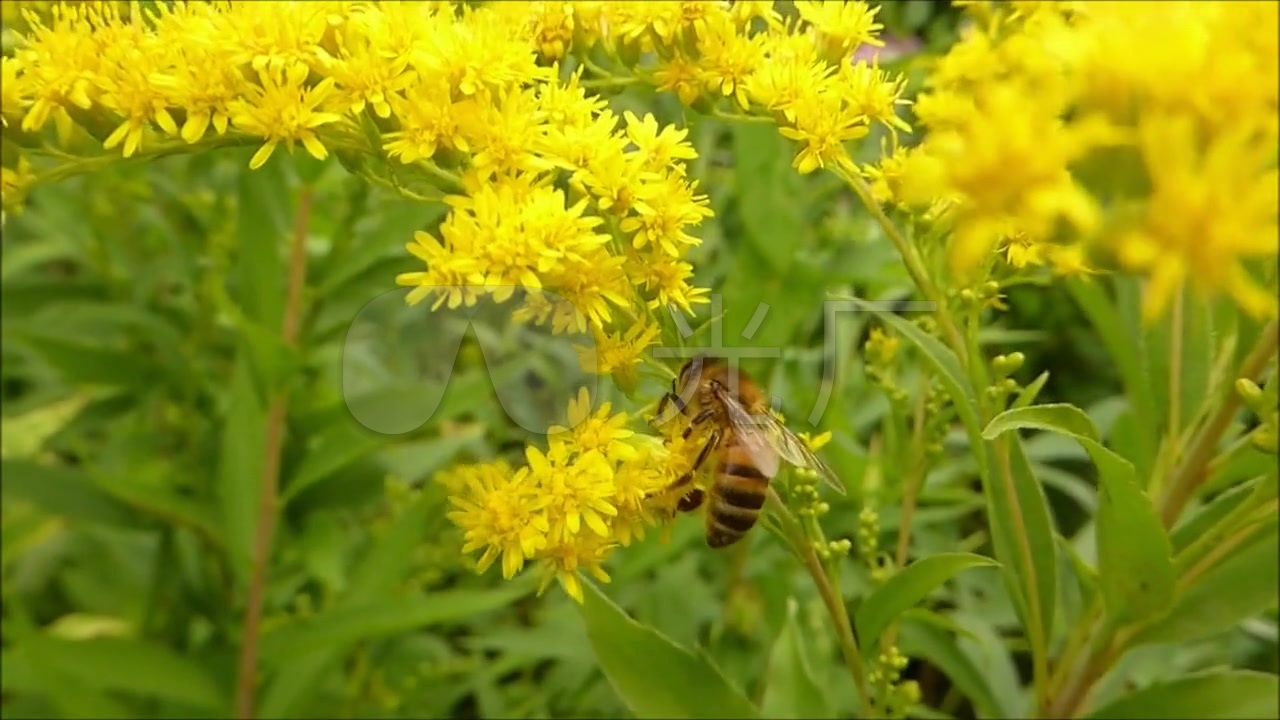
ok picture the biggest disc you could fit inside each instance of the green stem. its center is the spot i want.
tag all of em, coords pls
(1191, 472)
(608, 82)
(910, 258)
(911, 488)
(970, 354)
(247, 672)
(832, 600)
(1211, 537)
(738, 117)
(1219, 551)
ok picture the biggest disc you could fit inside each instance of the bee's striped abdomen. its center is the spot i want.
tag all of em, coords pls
(736, 496)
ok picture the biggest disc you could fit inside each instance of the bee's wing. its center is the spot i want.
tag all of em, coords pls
(747, 430)
(764, 434)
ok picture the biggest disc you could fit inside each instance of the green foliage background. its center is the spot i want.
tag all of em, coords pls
(140, 314)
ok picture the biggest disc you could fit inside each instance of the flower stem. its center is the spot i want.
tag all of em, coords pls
(910, 259)
(832, 600)
(247, 674)
(1191, 473)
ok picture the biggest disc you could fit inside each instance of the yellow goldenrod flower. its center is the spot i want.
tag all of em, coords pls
(601, 430)
(506, 517)
(668, 280)
(815, 442)
(12, 90)
(885, 176)
(1109, 129)
(563, 562)
(881, 347)
(661, 212)
(1021, 251)
(576, 486)
(129, 92)
(13, 185)
(284, 109)
(1211, 207)
(618, 353)
(59, 62)
(824, 122)
(569, 507)
(659, 149)
(842, 26)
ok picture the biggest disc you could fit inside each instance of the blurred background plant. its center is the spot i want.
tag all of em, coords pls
(220, 497)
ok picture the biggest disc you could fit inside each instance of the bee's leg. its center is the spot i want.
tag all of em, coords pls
(673, 398)
(687, 478)
(692, 501)
(702, 416)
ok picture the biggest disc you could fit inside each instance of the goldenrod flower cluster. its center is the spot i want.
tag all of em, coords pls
(738, 57)
(568, 507)
(586, 213)
(1144, 133)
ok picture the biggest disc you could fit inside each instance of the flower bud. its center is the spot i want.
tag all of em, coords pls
(909, 691)
(1008, 364)
(1264, 439)
(1249, 391)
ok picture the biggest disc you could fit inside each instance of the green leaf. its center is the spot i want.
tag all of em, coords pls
(419, 459)
(274, 363)
(1085, 575)
(771, 197)
(349, 624)
(1241, 585)
(1231, 695)
(387, 563)
(379, 234)
(1135, 564)
(1023, 533)
(908, 588)
(81, 363)
(308, 168)
(929, 642)
(654, 676)
(126, 665)
(1197, 524)
(295, 682)
(1123, 343)
(375, 576)
(240, 467)
(1030, 392)
(332, 450)
(65, 491)
(162, 502)
(262, 207)
(67, 694)
(793, 690)
(24, 435)
(1063, 419)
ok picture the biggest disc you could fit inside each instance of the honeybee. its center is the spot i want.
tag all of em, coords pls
(751, 442)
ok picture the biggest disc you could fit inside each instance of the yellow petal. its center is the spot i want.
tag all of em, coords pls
(261, 157)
